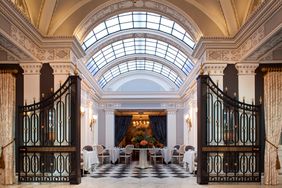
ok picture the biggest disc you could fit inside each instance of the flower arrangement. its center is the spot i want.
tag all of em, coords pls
(143, 141)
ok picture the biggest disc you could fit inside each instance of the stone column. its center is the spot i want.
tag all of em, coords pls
(61, 72)
(215, 71)
(31, 81)
(246, 81)
(110, 127)
(171, 128)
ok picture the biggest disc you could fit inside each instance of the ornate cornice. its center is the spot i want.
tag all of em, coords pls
(31, 68)
(246, 68)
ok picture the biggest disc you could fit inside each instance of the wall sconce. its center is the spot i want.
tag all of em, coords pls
(92, 121)
(188, 122)
(82, 111)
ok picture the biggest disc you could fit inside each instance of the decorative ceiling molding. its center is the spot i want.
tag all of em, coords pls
(230, 16)
(66, 15)
(46, 16)
(114, 7)
(212, 15)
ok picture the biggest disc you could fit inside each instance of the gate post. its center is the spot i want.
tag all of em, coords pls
(202, 174)
(75, 175)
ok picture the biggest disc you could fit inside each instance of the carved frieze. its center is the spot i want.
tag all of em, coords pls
(41, 54)
(238, 53)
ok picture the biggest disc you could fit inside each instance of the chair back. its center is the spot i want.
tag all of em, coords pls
(128, 149)
(88, 148)
(181, 149)
(177, 147)
(99, 149)
(188, 147)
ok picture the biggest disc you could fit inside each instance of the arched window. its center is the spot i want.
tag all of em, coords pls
(140, 65)
(139, 46)
(137, 20)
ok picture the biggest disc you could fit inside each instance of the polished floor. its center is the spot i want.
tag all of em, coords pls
(127, 176)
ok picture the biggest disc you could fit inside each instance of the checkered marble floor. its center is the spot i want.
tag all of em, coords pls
(124, 171)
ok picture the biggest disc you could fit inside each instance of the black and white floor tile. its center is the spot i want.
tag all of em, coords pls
(126, 170)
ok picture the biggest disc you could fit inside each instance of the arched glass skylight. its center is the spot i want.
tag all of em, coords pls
(137, 20)
(139, 46)
(140, 65)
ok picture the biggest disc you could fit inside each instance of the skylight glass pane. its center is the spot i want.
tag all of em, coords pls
(126, 17)
(189, 41)
(165, 29)
(123, 67)
(179, 28)
(153, 18)
(90, 41)
(126, 25)
(152, 26)
(113, 29)
(131, 66)
(101, 34)
(139, 16)
(99, 28)
(177, 34)
(139, 24)
(166, 22)
(112, 21)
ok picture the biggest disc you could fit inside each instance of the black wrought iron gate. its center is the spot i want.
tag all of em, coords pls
(48, 142)
(229, 137)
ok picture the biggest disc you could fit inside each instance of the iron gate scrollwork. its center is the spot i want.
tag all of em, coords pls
(229, 132)
(49, 137)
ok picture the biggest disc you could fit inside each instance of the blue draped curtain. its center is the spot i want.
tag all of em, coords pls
(158, 126)
(121, 126)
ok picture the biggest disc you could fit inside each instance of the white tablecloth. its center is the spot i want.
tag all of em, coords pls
(189, 160)
(166, 155)
(89, 158)
(114, 154)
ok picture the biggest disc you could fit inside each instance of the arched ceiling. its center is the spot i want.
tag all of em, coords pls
(213, 17)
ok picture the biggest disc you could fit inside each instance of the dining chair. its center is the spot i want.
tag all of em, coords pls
(178, 154)
(154, 154)
(102, 153)
(126, 153)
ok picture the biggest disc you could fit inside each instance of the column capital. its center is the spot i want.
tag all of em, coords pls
(246, 68)
(63, 68)
(31, 68)
(171, 111)
(109, 111)
(215, 69)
